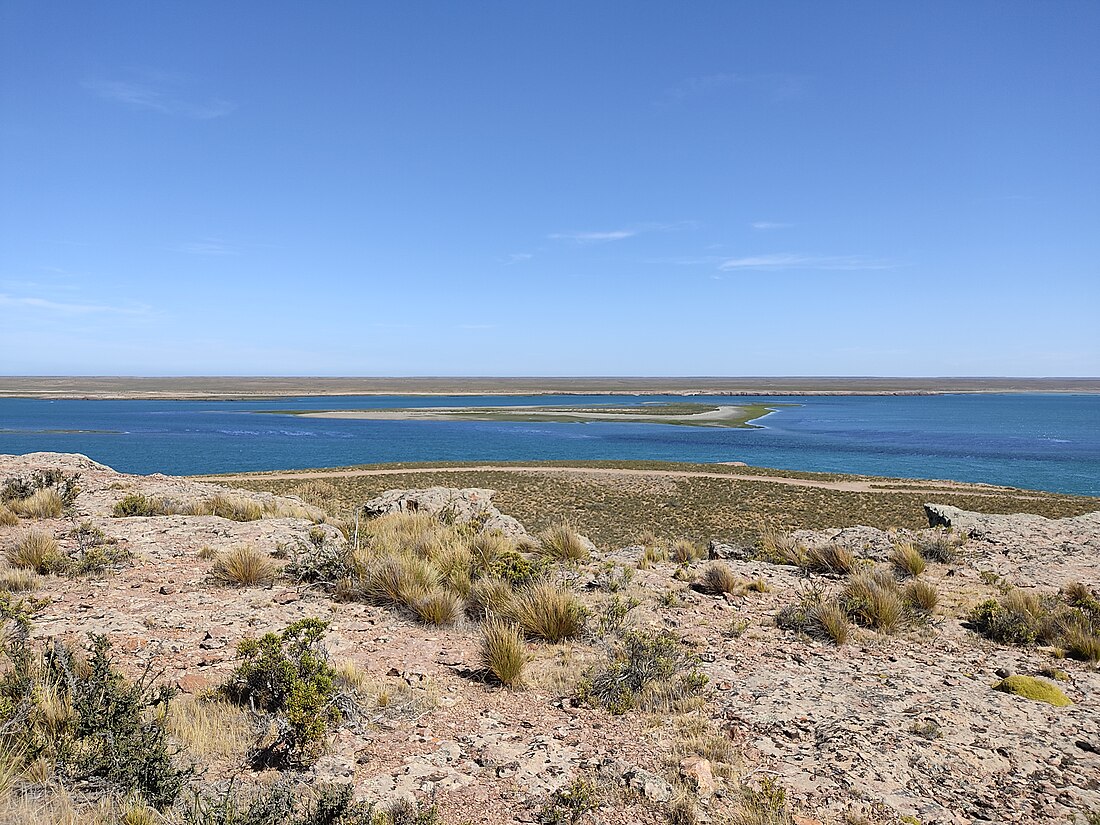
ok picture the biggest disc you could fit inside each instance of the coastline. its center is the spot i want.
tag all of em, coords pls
(247, 388)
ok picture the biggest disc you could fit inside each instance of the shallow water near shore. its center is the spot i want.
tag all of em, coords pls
(1036, 441)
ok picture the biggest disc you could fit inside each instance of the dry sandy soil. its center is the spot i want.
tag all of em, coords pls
(883, 727)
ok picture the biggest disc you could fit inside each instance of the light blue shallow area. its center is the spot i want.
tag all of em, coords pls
(1037, 441)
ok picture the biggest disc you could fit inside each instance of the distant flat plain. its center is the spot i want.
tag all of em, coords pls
(232, 387)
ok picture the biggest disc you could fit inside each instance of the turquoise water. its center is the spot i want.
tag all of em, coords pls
(1046, 442)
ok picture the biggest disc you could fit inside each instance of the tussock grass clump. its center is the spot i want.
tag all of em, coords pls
(437, 607)
(872, 598)
(920, 595)
(564, 543)
(648, 670)
(42, 504)
(503, 651)
(224, 505)
(36, 551)
(834, 559)
(489, 595)
(685, 551)
(8, 518)
(818, 616)
(244, 566)
(1069, 620)
(765, 804)
(399, 580)
(779, 547)
(719, 579)
(486, 547)
(18, 579)
(907, 560)
(547, 611)
(941, 545)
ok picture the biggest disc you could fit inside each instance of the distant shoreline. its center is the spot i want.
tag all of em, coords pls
(259, 389)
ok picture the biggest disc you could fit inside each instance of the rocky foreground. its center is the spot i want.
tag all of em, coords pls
(884, 728)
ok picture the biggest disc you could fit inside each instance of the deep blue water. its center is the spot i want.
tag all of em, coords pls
(1046, 442)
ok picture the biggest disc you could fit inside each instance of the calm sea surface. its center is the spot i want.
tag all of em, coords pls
(1046, 442)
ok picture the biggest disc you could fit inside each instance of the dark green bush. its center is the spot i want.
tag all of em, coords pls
(647, 666)
(288, 676)
(279, 804)
(518, 570)
(136, 504)
(114, 738)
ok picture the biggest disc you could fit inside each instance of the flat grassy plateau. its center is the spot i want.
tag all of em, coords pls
(615, 509)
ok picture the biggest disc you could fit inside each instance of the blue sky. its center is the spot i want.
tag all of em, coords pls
(566, 188)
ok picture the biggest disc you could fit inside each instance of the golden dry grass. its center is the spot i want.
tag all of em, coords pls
(35, 551)
(210, 729)
(503, 651)
(16, 579)
(437, 607)
(548, 611)
(45, 503)
(828, 558)
(685, 550)
(244, 566)
(921, 595)
(564, 543)
(717, 578)
(489, 595)
(8, 518)
(907, 560)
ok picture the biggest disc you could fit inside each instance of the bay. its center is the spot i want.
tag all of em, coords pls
(1035, 441)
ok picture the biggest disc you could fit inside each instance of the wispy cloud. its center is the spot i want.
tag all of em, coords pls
(46, 305)
(157, 98)
(790, 260)
(209, 246)
(601, 236)
(594, 237)
(517, 258)
(764, 226)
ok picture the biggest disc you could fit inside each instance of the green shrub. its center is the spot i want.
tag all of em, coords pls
(518, 570)
(1030, 687)
(279, 804)
(136, 504)
(765, 804)
(91, 724)
(568, 805)
(646, 668)
(288, 676)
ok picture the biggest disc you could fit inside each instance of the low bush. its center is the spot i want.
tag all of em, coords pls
(764, 804)
(503, 651)
(244, 566)
(88, 724)
(517, 569)
(646, 669)
(282, 804)
(779, 547)
(568, 805)
(288, 676)
(563, 543)
(547, 611)
(1069, 620)
(137, 504)
(486, 547)
(234, 508)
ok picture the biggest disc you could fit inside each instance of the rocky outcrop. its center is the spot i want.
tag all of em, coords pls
(461, 506)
